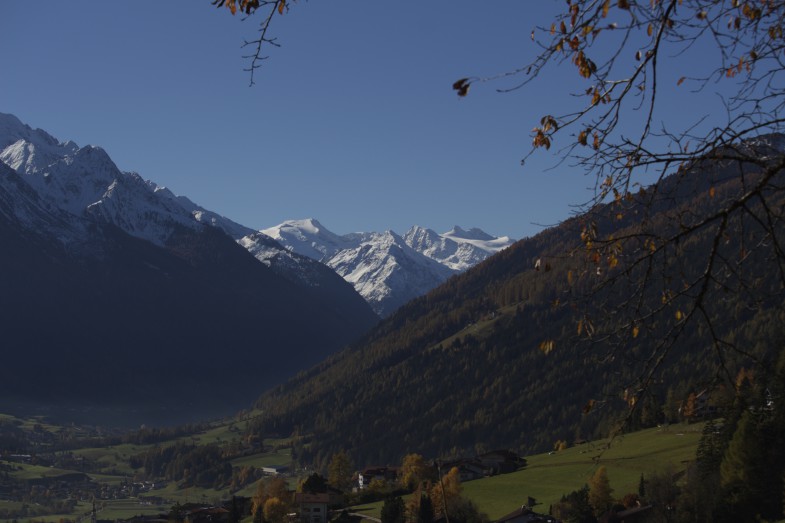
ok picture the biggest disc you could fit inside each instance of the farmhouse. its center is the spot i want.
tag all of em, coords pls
(313, 507)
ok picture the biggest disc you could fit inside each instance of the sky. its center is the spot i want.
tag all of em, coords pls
(352, 121)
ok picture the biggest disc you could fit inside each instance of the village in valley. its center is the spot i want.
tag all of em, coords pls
(76, 474)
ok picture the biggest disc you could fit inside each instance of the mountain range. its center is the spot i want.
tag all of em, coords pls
(124, 300)
(387, 270)
(100, 261)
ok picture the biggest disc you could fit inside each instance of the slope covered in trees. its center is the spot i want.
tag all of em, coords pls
(533, 346)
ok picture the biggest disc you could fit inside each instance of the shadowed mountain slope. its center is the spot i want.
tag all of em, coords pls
(493, 357)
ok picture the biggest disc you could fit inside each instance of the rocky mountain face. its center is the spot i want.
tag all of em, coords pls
(388, 270)
(120, 297)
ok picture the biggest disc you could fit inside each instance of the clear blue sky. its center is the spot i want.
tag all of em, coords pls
(352, 121)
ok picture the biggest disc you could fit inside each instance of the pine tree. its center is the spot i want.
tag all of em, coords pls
(642, 487)
(393, 510)
(711, 448)
(743, 469)
(425, 512)
(742, 460)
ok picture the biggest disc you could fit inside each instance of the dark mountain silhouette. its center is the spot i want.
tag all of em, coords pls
(114, 329)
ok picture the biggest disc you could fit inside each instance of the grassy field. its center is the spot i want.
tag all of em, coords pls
(267, 459)
(549, 476)
(113, 460)
(126, 508)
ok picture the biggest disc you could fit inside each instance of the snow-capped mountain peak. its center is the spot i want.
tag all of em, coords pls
(85, 182)
(472, 234)
(385, 268)
(309, 238)
(457, 249)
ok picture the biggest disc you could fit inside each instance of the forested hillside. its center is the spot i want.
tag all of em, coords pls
(533, 345)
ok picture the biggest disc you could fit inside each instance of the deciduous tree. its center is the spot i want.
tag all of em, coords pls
(340, 471)
(275, 510)
(413, 471)
(444, 491)
(600, 492)
(268, 488)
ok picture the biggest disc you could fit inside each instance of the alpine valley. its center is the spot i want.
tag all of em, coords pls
(123, 303)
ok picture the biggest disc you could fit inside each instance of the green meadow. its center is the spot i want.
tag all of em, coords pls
(549, 476)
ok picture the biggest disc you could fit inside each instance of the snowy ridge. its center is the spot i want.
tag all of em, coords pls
(386, 269)
(86, 183)
(387, 272)
(309, 238)
(457, 249)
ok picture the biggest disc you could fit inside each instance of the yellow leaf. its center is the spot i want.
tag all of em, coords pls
(649, 30)
(605, 7)
(546, 346)
(679, 315)
(635, 331)
(712, 192)
(580, 326)
(569, 277)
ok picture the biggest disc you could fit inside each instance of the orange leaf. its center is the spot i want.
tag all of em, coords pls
(681, 80)
(281, 5)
